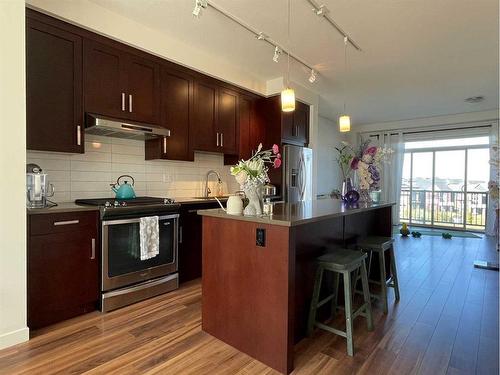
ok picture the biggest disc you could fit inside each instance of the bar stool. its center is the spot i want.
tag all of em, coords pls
(341, 261)
(380, 245)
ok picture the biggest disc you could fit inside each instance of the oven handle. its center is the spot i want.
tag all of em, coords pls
(136, 220)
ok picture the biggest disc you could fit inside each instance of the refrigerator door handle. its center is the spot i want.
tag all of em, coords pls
(300, 178)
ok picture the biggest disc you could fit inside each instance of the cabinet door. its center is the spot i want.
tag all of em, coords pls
(204, 132)
(104, 89)
(143, 89)
(54, 114)
(227, 121)
(301, 124)
(287, 126)
(190, 245)
(176, 112)
(63, 275)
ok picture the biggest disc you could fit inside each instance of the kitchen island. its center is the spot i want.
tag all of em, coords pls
(258, 272)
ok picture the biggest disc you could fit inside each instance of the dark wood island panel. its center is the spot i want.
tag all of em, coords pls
(256, 298)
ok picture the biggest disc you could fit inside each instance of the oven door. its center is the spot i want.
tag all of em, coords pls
(121, 261)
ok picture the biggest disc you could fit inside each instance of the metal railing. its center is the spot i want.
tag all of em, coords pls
(448, 208)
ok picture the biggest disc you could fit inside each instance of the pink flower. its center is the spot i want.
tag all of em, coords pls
(354, 163)
(276, 149)
(277, 163)
(278, 156)
(371, 150)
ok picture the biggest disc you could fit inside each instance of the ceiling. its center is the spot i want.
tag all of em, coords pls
(420, 58)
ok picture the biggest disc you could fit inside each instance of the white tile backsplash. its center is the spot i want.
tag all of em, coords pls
(89, 175)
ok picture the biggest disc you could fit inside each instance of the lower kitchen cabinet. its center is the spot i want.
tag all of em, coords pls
(190, 240)
(63, 266)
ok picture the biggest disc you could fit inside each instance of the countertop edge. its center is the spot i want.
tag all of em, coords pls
(219, 213)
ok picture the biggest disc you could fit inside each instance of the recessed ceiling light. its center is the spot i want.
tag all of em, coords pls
(474, 99)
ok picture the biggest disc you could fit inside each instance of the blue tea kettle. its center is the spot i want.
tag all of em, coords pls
(123, 190)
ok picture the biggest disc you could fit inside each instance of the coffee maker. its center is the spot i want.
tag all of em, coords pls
(38, 188)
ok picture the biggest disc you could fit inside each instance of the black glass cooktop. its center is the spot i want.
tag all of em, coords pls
(139, 201)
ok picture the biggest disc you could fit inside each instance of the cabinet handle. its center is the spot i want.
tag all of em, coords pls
(92, 256)
(78, 135)
(164, 145)
(130, 103)
(221, 139)
(217, 139)
(180, 234)
(68, 222)
(123, 101)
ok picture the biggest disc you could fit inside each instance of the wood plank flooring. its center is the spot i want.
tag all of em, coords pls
(445, 323)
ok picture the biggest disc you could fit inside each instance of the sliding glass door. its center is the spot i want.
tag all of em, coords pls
(445, 183)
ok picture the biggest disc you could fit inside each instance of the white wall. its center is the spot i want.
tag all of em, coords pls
(12, 164)
(329, 137)
(93, 17)
(89, 175)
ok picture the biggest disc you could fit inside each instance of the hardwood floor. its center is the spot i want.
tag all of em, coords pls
(445, 323)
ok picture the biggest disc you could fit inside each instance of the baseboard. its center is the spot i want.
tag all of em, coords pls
(14, 337)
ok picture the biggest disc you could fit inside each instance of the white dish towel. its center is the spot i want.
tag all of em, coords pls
(149, 231)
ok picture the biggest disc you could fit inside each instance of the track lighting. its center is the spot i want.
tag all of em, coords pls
(261, 36)
(321, 11)
(312, 77)
(277, 53)
(198, 6)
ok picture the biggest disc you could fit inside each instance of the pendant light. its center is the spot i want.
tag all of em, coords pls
(288, 94)
(345, 119)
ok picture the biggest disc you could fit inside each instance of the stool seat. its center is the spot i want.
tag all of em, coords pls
(375, 243)
(342, 259)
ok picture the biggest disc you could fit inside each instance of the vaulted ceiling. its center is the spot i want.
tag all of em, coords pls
(419, 58)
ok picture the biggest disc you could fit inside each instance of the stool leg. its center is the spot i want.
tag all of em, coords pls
(314, 301)
(366, 296)
(336, 291)
(348, 312)
(383, 284)
(394, 273)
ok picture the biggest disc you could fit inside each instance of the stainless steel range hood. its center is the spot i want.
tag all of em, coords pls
(110, 127)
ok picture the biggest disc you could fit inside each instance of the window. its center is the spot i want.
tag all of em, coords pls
(445, 183)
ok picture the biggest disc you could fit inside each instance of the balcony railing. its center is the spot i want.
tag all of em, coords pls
(447, 209)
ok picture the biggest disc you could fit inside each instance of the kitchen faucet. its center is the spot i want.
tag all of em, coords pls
(219, 180)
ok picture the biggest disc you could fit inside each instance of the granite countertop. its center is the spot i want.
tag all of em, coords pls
(293, 214)
(73, 207)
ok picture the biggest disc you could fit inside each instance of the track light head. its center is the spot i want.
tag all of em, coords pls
(277, 53)
(261, 36)
(321, 11)
(198, 6)
(312, 76)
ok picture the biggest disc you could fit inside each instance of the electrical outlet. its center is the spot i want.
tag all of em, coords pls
(260, 238)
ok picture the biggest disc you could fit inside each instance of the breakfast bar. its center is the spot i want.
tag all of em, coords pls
(258, 272)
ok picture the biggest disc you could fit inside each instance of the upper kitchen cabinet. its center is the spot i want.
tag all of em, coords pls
(176, 111)
(215, 119)
(54, 112)
(204, 132)
(120, 84)
(295, 125)
(227, 120)
(284, 127)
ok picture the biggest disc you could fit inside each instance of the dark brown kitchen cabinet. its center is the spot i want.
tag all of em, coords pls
(215, 125)
(63, 266)
(295, 125)
(190, 240)
(54, 112)
(227, 120)
(204, 127)
(176, 113)
(119, 84)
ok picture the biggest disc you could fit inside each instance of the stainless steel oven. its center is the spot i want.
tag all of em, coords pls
(121, 262)
(125, 277)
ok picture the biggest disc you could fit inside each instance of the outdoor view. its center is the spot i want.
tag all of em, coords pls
(445, 183)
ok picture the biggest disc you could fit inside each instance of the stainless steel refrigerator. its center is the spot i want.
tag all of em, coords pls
(297, 173)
